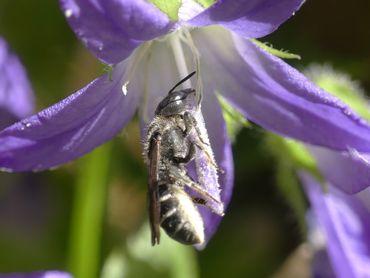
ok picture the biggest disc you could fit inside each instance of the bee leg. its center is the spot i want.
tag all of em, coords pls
(199, 201)
(199, 189)
(211, 160)
(190, 124)
(185, 180)
(209, 157)
(190, 155)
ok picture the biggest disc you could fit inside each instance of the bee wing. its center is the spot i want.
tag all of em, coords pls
(154, 206)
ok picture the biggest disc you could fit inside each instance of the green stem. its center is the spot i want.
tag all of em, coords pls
(88, 213)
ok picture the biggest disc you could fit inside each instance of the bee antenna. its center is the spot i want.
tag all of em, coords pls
(182, 81)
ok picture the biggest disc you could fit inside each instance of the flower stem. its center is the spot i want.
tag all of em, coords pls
(88, 213)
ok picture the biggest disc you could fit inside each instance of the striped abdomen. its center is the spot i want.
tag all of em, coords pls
(180, 217)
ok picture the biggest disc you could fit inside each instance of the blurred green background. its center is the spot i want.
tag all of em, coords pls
(92, 212)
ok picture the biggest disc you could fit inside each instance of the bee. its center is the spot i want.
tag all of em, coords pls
(174, 138)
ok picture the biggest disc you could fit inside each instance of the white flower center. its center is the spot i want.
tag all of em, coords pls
(162, 63)
(177, 41)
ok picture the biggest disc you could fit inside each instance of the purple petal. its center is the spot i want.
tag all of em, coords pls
(45, 274)
(274, 95)
(112, 29)
(248, 18)
(70, 128)
(349, 171)
(206, 169)
(16, 96)
(221, 146)
(346, 223)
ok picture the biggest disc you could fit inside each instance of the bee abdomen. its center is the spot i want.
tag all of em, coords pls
(180, 218)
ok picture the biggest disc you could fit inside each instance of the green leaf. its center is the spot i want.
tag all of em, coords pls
(340, 85)
(235, 121)
(205, 3)
(279, 53)
(169, 7)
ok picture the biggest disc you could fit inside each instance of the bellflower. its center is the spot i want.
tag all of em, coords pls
(342, 218)
(345, 222)
(150, 52)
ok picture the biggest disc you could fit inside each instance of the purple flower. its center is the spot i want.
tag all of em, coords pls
(16, 96)
(150, 53)
(44, 274)
(339, 225)
(345, 222)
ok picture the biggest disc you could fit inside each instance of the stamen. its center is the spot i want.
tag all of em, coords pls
(137, 57)
(134, 62)
(143, 108)
(188, 40)
(179, 56)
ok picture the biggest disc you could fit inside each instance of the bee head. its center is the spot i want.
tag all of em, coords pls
(177, 102)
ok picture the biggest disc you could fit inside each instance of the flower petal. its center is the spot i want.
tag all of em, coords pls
(349, 171)
(274, 95)
(248, 18)
(346, 223)
(16, 96)
(112, 29)
(70, 128)
(221, 146)
(206, 170)
(40, 274)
